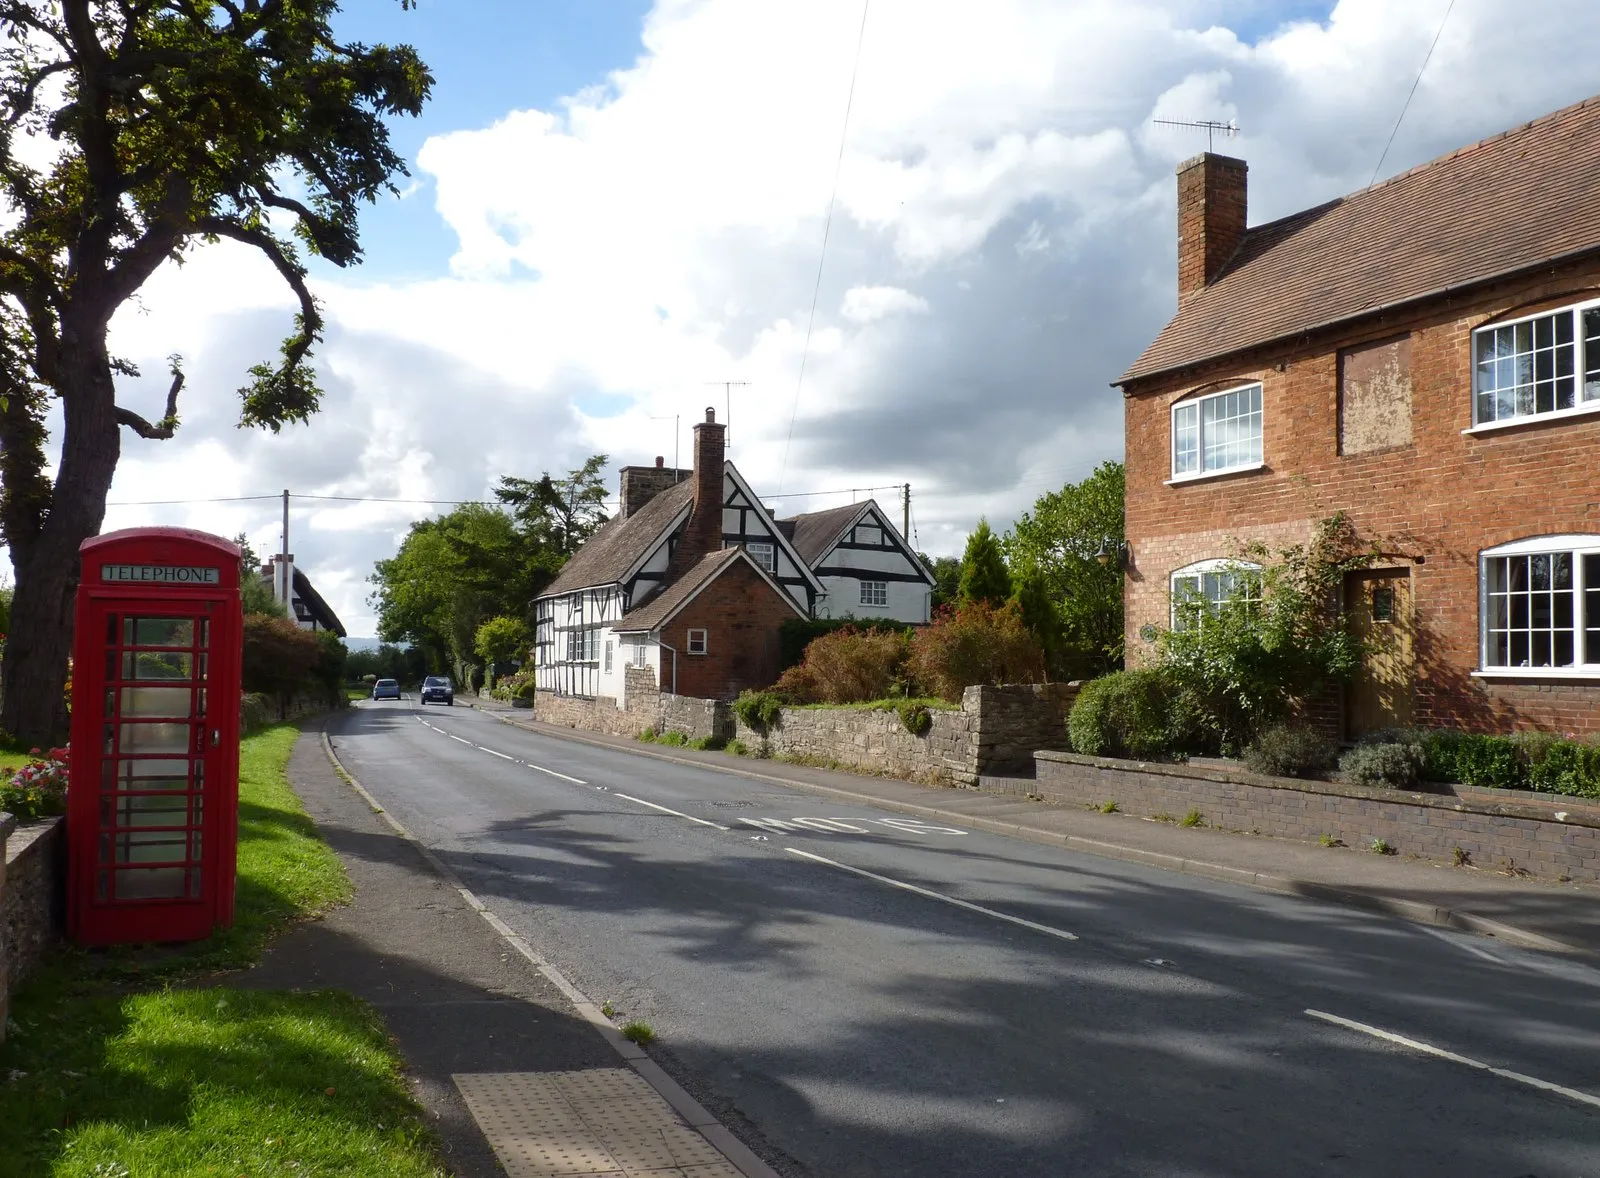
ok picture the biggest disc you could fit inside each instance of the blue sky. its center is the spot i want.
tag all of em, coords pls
(488, 57)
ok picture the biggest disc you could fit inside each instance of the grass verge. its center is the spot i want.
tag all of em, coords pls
(117, 1067)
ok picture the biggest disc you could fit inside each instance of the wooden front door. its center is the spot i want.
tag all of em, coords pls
(1382, 616)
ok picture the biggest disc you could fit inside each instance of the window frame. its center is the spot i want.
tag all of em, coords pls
(1196, 403)
(1581, 405)
(608, 656)
(770, 563)
(1577, 545)
(1199, 569)
(861, 593)
(705, 641)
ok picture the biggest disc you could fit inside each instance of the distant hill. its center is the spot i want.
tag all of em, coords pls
(362, 644)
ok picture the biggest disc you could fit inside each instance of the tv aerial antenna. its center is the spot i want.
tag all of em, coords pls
(1211, 127)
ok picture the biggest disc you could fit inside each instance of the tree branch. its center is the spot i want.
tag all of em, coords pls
(292, 272)
(168, 425)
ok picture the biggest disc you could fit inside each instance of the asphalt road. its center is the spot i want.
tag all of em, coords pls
(874, 995)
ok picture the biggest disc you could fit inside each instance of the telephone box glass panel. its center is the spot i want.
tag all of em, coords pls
(153, 772)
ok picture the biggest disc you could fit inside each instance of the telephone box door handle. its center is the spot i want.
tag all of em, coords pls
(216, 737)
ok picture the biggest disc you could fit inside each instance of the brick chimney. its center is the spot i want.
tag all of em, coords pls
(1212, 198)
(640, 484)
(703, 534)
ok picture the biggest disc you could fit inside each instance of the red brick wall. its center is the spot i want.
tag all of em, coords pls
(740, 612)
(1211, 217)
(1433, 504)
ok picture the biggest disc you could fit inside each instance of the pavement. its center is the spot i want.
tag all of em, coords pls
(1518, 910)
(517, 1072)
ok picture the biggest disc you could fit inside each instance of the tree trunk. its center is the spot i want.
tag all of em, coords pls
(34, 669)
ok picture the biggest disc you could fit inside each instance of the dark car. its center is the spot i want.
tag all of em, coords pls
(437, 689)
(386, 689)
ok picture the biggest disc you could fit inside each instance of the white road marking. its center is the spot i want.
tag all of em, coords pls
(664, 810)
(553, 773)
(1464, 946)
(849, 825)
(1441, 1053)
(462, 739)
(492, 753)
(940, 896)
(831, 825)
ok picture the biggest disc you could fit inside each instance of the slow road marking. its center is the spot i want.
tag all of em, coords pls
(940, 896)
(848, 825)
(1441, 1053)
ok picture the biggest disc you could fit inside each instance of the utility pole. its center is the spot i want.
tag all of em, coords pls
(905, 514)
(727, 395)
(281, 573)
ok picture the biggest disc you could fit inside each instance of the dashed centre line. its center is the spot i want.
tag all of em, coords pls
(492, 753)
(1441, 1053)
(665, 810)
(940, 896)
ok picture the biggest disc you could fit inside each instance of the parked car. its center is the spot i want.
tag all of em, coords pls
(437, 689)
(386, 689)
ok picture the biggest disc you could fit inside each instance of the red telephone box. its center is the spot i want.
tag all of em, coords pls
(153, 798)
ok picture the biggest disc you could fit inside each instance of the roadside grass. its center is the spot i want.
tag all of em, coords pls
(891, 704)
(117, 1066)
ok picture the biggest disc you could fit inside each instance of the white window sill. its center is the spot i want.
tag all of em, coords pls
(1493, 427)
(1202, 476)
(1574, 674)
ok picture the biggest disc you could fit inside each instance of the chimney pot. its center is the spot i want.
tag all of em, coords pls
(1213, 198)
(660, 462)
(711, 415)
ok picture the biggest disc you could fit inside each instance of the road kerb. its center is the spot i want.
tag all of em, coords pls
(739, 1155)
(1410, 910)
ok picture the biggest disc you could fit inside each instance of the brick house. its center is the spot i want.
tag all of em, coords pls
(1423, 355)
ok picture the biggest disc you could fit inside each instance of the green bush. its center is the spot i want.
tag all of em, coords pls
(1473, 758)
(1396, 765)
(915, 717)
(759, 710)
(973, 644)
(845, 667)
(1124, 714)
(712, 742)
(648, 734)
(795, 634)
(1288, 751)
(675, 739)
(1567, 767)
(737, 748)
(255, 711)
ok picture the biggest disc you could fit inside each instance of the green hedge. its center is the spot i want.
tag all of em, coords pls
(1531, 761)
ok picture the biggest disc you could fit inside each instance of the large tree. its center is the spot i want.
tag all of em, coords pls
(1066, 553)
(558, 514)
(131, 132)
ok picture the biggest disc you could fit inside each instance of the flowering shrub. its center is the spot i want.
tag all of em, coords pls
(517, 686)
(972, 644)
(848, 666)
(39, 788)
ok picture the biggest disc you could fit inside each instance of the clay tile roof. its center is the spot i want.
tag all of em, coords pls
(664, 604)
(1524, 197)
(607, 555)
(815, 531)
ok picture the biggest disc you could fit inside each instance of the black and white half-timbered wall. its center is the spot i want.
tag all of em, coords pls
(865, 565)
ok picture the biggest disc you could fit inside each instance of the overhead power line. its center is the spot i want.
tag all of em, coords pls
(1407, 104)
(827, 225)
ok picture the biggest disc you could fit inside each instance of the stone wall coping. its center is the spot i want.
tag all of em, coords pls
(27, 834)
(8, 823)
(1582, 814)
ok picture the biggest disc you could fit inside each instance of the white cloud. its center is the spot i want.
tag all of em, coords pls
(868, 304)
(1002, 245)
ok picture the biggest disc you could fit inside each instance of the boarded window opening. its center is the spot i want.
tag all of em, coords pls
(1375, 396)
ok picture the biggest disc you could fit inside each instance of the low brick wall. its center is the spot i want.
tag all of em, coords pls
(646, 708)
(1544, 837)
(32, 902)
(996, 730)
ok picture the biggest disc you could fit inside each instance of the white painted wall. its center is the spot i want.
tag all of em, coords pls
(909, 601)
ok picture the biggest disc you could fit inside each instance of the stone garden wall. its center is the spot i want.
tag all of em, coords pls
(995, 731)
(32, 903)
(1554, 838)
(647, 707)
